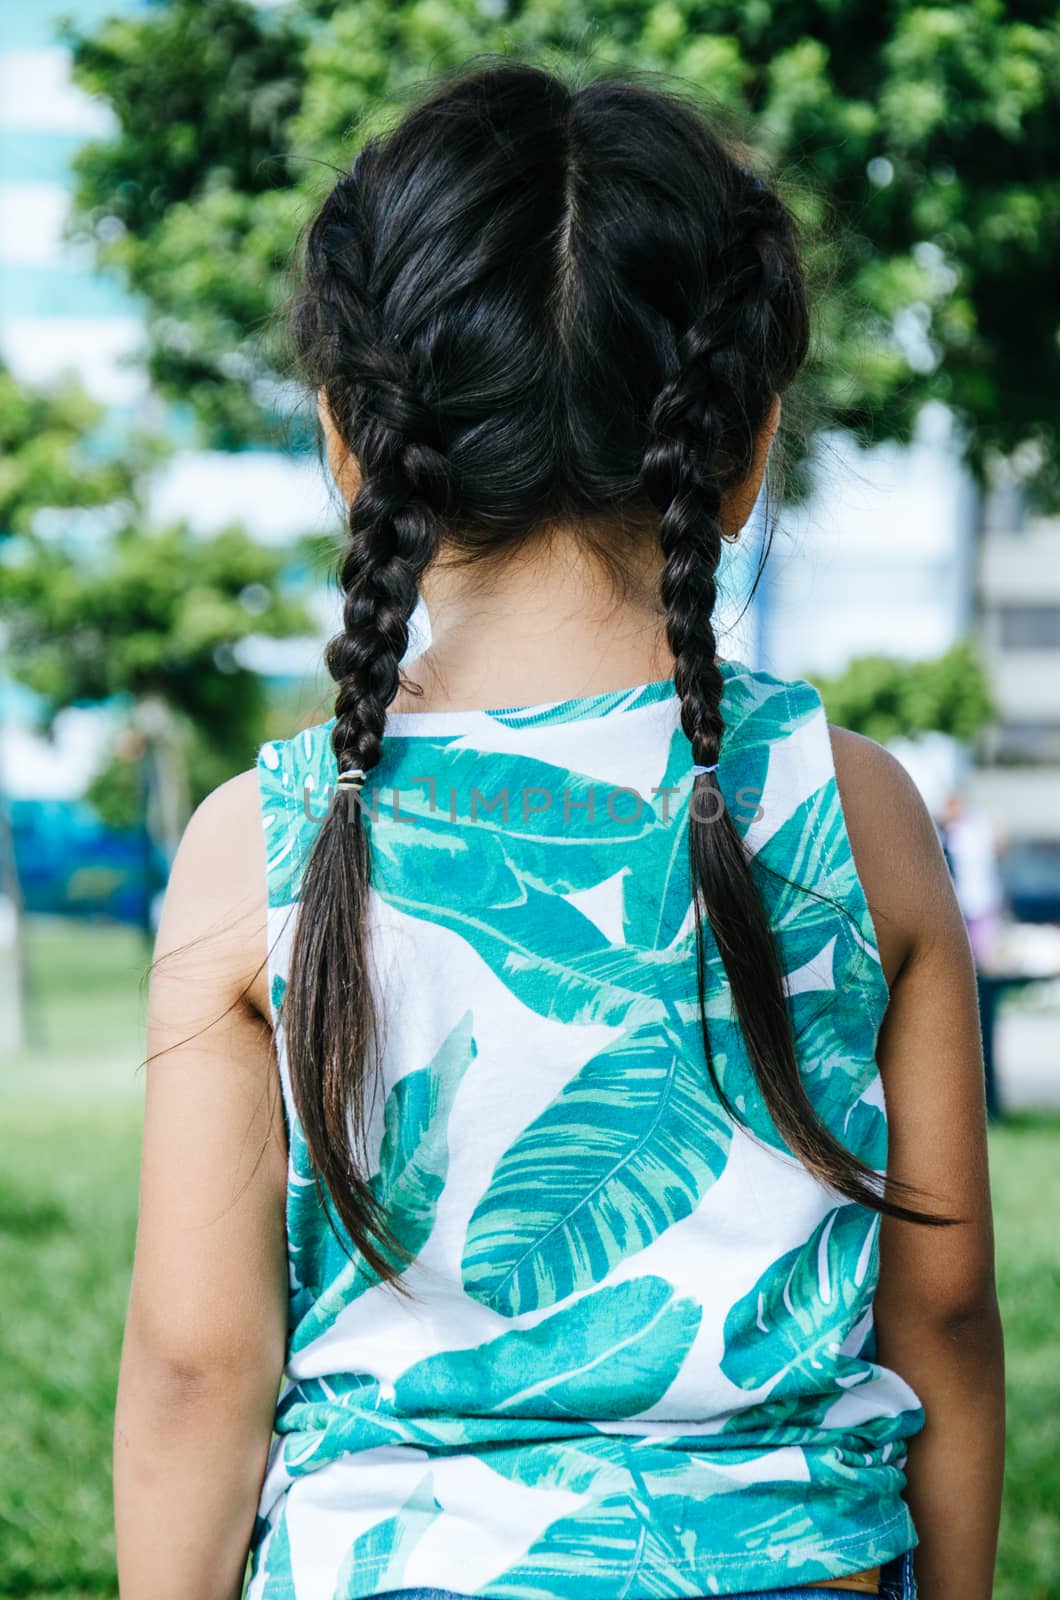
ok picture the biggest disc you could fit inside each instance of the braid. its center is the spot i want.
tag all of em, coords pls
(394, 524)
(702, 433)
(701, 441)
(393, 536)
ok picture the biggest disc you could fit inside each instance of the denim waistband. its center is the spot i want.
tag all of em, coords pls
(897, 1582)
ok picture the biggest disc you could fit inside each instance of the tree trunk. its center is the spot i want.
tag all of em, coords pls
(166, 790)
(14, 1035)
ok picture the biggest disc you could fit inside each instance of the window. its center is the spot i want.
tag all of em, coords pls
(1027, 742)
(1030, 627)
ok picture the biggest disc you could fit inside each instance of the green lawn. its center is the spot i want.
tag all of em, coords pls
(68, 1179)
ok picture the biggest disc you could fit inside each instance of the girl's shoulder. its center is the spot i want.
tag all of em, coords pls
(895, 844)
(215, 902)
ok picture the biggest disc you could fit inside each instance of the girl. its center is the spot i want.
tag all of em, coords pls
(566, 1089)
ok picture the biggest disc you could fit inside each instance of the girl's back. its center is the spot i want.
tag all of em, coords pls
(618, 1212)
(637, 1341)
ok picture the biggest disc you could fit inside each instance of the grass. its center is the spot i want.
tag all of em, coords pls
(87, 1000)
(1025, 1163)
(68, 1191)
(68, 1180)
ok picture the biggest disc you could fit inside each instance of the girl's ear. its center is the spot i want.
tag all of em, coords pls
(341, 460)
(739, 502)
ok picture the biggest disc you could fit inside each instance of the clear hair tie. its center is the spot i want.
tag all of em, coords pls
(697, 770)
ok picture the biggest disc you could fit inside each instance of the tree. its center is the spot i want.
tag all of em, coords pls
(50, 459)
(48, 466)
(916, 140)
(98, 605)
(153, 618)
(886, 699)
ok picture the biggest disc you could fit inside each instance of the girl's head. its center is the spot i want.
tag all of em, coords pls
(531, 305)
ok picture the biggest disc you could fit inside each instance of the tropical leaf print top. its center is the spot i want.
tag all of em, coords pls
(636, 1356)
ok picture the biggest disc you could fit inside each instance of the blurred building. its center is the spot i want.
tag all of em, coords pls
(1018, 778)
(56, 311)
(880, 560)
(1019, 631)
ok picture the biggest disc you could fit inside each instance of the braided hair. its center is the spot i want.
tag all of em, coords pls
(526, 304)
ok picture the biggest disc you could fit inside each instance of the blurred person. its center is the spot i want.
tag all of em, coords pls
(564, 1165)
(971, 845)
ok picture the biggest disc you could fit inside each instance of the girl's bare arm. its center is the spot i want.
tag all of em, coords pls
(936, 1307)
(204, 1340)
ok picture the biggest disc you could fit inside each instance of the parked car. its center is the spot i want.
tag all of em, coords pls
(1030, 872)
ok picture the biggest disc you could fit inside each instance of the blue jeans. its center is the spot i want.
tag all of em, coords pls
(896, 1583)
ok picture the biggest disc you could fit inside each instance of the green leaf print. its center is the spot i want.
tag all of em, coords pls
(760, 709)
(612, 1354)
(792, 1419)
(540, 1446)
(376, 1559)
(864, 1131)
(530, 837)
(659, 894)
(413, 1164)
(838, 1468)
(546, 951)
(295, 781)
(323, 1419)
(579, 1465)
(785, 1335)
(485, 871)
(417, 838)
(572, 710)
(332, 1435)
(659, 888)
(836, 1050)
(609, 1464)
(798, 1419)
(629, 1147)
(663, 1546)
(607, 1544)
(272, 1557)
(886, 1434)
(809, 848)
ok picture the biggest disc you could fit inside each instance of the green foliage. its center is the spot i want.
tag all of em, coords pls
(149, 612)
(916, 143)
(887, 699)
(48, 458)
(116, 793)
(98, 604)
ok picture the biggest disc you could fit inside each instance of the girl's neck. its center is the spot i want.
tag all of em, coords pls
(548, 623)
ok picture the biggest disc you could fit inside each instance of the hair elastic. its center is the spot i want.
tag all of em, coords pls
(350, 778)
(697, 770)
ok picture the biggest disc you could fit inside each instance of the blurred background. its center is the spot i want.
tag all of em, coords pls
(166, 535)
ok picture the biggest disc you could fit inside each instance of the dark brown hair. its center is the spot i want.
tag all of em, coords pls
(529, 303)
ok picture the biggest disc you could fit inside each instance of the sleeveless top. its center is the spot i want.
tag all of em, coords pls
(636, 1353)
